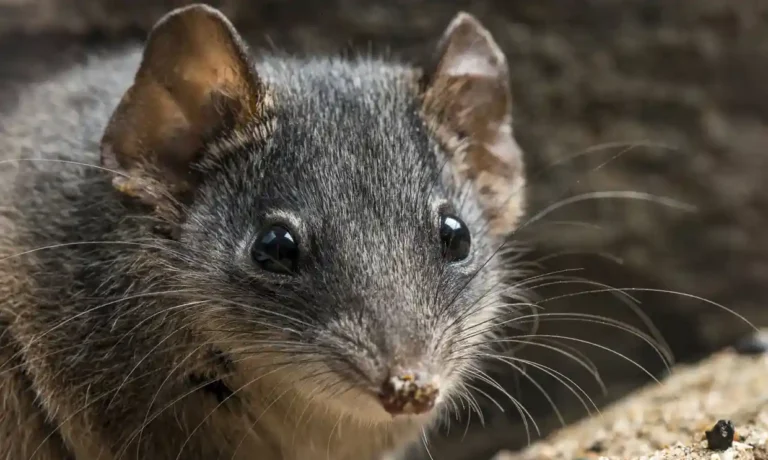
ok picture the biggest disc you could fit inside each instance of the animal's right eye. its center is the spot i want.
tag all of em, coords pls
(276, 250)
(455, 237)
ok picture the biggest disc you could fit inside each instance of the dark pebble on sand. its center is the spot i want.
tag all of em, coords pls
(755, 344)
(720, 437)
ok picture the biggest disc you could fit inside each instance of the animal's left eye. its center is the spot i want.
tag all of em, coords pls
(455, 237)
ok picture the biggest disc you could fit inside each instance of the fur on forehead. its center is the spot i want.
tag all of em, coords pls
(467, 104)
(196, 84)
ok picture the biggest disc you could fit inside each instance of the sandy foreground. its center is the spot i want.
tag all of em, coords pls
(669, 420)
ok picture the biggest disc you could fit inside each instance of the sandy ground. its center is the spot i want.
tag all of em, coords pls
(669, 420)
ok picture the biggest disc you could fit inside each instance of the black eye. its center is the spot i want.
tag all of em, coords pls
(276, 250)
(455, 237)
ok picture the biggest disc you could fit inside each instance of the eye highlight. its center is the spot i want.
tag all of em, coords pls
(455, 237)
(276, 250)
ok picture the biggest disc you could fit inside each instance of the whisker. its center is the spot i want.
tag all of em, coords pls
(664, 354)
(87, 243)
(262, 310)
(426, 444)
(227, 398)
(138, 364)
(590, 366)
(660, 345)
(264, 411)
(489, 397)
(469, 311)
(660, 291)
(538, 386)
(472, 403)
(627, 147)
(628, 195)
(603, 255)
(627, 300)
(330, 436)
(587, 342)
(38, 337)
(52, 160)
(563, 379)
(581, 362)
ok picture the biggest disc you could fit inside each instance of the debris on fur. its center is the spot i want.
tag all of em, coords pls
(406, 395)
(725, 395)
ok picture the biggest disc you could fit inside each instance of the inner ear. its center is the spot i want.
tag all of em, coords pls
(467, 102)
(194, 81)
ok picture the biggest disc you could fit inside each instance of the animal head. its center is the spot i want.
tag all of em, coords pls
(339, 219)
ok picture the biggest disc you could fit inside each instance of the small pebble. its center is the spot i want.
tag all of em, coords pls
(596, 447)
(755, 344)
(720, 437)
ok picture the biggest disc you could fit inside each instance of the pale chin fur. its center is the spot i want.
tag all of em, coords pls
(296, 393)
(310, 424)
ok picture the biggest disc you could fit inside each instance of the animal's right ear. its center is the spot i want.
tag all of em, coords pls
(468, 104)
(194, 81)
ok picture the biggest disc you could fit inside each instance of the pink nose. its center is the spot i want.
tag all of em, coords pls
(408, 394)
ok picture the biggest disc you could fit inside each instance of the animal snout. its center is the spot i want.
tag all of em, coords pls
(409, 392)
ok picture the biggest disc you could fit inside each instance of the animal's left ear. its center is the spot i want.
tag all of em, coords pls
(467, 103)
(195, 81)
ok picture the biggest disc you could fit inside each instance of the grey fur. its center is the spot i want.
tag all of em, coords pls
(347, 161)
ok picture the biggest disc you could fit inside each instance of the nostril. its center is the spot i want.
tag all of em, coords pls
(408, 393)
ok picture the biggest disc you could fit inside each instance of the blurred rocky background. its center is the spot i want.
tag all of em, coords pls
(622, 106)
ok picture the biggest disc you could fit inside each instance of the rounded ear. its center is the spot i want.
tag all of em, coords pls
(467, 101)
(195, 80)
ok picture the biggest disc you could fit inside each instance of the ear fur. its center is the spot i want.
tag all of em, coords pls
(194, 80)
(467, 102)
